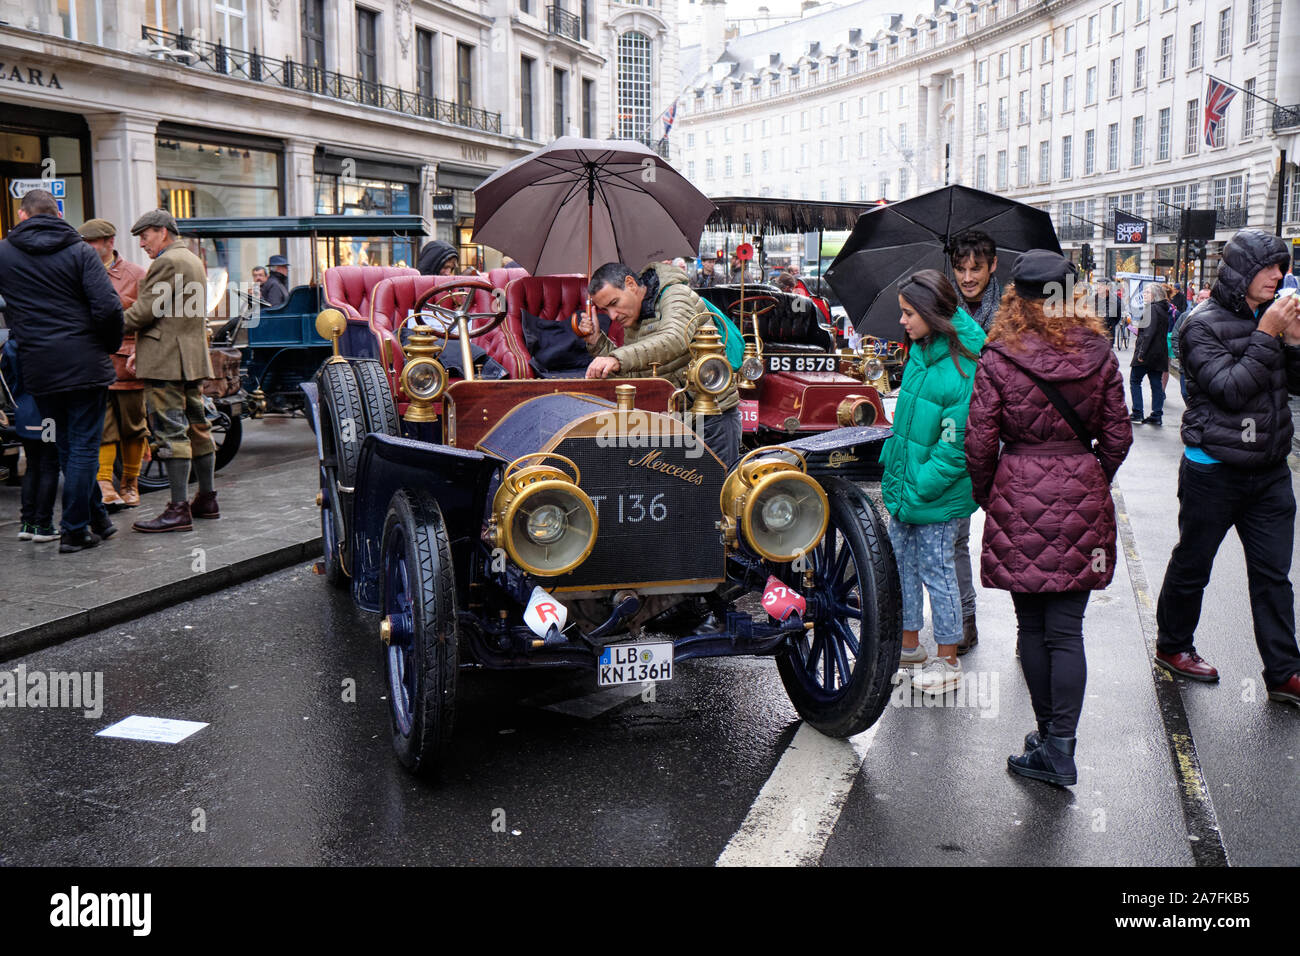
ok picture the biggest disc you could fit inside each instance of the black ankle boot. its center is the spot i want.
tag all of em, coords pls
(1053, 762)
(1034, 739)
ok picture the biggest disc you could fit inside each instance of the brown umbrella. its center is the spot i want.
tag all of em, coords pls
(580, 202)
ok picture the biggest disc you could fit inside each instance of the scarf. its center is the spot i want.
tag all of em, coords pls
(988, 306)
(649, 279)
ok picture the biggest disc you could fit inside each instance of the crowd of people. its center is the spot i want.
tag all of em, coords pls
(96, 344)
(1013, 402)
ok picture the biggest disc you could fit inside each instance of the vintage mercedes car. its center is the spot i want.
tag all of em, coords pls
(572, 523)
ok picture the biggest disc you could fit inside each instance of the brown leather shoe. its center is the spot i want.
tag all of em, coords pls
(204, 505)
(1188, 664)
(970, 635)
(175, 518)
(130, 492)
(109, 495)
(1287, 693)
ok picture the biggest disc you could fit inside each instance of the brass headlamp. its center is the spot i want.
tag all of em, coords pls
(543, 520)
(855, 410)
(772, 502)
(330, 324)
(709, 373)
(424, 378)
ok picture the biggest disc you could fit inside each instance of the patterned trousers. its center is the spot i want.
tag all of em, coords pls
(179, 421)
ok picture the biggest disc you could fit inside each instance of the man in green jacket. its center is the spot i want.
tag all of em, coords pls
(171, 355)
(659, 314)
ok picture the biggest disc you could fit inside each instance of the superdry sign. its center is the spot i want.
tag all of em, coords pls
(1129, 229)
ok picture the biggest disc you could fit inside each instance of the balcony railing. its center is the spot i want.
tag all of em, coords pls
(660, 146)
(1075, 230)
(1286, 117)
(1166, 224)
(562, 23)
(309, 79)
(1233, 218)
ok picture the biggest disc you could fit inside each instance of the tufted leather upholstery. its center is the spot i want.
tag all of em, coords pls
(547, 297)
(784, 325)
(350, 288)
(494, 342)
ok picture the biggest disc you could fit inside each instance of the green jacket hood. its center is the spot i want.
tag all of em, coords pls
(969, 334)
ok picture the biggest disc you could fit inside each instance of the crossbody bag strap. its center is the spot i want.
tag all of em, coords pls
(1067, 411)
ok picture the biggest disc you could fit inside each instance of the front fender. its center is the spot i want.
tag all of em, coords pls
(852, 452)
(458, 480)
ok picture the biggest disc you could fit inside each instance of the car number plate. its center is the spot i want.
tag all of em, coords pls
(802, 363)
(634, 664)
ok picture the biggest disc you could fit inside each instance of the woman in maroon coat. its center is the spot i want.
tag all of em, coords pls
(1049, 528)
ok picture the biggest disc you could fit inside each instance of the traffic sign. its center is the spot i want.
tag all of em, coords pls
(18, 188)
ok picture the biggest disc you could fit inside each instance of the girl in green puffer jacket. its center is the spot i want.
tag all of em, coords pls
(925, 486)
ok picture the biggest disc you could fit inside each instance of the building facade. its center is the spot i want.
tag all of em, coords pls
(298, 107)
(1077, 106)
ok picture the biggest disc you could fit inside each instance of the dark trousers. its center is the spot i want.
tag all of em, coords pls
(1051, 656)
(40, 483)
(1260, 504)
(1135, 377)
(78, 427)
(722, 435)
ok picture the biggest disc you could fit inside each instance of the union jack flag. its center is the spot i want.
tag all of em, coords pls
(1217, 98)
(668, 119)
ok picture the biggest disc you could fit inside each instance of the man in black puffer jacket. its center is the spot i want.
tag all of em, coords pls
(67, 321)
(1240, 357)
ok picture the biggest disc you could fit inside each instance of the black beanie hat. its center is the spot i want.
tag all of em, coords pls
(1037, 269)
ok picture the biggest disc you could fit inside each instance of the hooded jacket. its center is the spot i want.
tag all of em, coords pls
(660, 340)
(61, 306)
(1151, 349)
(1237, 376)
(1049, 519)
(925, 480)
(434, 256)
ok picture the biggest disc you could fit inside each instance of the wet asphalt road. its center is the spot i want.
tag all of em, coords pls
(545, 770)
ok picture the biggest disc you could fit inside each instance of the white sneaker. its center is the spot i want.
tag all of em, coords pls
(938, 676)
(915, 655)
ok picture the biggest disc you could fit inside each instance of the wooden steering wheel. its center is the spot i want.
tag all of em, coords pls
(425, 307)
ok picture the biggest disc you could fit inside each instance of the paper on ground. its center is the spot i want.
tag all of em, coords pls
(160, 730)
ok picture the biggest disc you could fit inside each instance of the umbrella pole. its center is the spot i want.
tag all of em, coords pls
(591, 205)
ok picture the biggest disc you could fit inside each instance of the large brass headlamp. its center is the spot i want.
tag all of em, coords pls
(855, 410)
(774, 505)
(708, 375)
(545, 522)
(424, 378)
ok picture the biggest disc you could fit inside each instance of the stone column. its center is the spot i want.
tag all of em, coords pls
(300, 200)
(123, 150)
(930, 136)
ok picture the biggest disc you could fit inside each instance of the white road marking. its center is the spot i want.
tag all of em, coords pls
(793, 816)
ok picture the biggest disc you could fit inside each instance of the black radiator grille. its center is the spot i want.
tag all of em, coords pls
(648, 545)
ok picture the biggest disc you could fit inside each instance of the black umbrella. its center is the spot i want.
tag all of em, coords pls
(891, 242)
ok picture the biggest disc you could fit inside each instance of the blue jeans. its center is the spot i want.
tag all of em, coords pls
(925, 554)
(1136, 375)
(78, 427)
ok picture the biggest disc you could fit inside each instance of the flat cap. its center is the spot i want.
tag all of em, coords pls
(1037, 270)
(277, 261)
(97, 229)
(160, 218)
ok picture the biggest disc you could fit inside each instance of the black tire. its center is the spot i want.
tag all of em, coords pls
(331, 534)
(227, 433)
(228, 446)
(813, 677)
(422, 659)
(377, 398)
(344, 419)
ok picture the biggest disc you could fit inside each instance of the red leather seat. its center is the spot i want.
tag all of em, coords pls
(395, 296)
(494, 342)
(350, 288)
(547, 297)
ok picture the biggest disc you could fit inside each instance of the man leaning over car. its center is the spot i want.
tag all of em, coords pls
(171, 355)
(658, 313)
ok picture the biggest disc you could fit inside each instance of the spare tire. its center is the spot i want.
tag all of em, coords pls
(377, 397)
